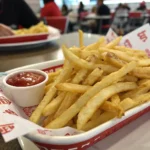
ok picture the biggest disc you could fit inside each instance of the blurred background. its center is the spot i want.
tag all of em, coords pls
(124, 15)
(92, 16)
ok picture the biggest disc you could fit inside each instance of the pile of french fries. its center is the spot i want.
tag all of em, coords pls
(39, 28)
(97, 83)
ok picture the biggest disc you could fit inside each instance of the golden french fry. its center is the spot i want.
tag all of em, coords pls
(142, 81)
(53, 74)
(109, 106)
(53, 105)
(96, 114)
(93, 77)
(81, 38)
(133, 51)
(96, 45)
(114, 43)
(144, 88)
(76, 51)
(85, 54)
(74, 88)
(81, 63)
(47, 87)
(51, 93)
(69, 99)
(144, 63)
(80, 76)
(75, 108)
(47, 120)
(115, 99)
(142, 72)
(129, 78)
(114, 60)
(106, 116)
(107, 68)
(142, 98)
(121, 55)
(127, 104)
(89, 109)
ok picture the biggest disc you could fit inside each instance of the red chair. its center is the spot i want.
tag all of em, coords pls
(135, 14)
(60, 23)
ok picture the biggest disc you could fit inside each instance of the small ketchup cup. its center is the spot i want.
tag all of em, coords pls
(25, 96)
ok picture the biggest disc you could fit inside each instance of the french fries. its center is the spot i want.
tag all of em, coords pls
(86, 112)
(95, 76)
(114, 60)
(74, 88)
(81, 38)
(39, 28)
(108, 106)
(114, 43)
(97, 83)
(53, 105)
(81, 63)
(115, 99)
(75, 108)
(64, 75)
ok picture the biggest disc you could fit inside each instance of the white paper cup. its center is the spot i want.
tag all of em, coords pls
(25, 96)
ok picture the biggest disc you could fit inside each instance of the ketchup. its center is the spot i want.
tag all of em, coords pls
(25, 79)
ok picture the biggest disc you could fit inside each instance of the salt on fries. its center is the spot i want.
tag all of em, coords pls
(97, 83)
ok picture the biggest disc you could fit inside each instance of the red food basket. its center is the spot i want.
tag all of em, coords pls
(23, 38)
(84, 139)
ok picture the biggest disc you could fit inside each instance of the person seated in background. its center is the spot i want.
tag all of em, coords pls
(120, 19)
(102, 10)
(73, 19)
(91, 14)
(87, 25)
(15, 13)
(126, 7)
(50, 9)
(81, 8)
(142, 6)
(64, 10)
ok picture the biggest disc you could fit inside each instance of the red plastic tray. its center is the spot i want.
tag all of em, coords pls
(23, 38)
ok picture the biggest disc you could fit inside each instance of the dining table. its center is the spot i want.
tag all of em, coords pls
(133, 136)
(99, 20)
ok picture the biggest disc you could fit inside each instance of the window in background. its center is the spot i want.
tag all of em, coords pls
(41, 3)
(58, 2)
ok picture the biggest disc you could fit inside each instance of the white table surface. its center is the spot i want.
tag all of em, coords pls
(134, 136)
(98, 17)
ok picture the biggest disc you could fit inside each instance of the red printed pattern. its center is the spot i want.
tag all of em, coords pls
(29, 110)
(4, 100)
(9, 111)
(127, 43)
(148, 52)
(86, 144)
(142, 36)
(52, 69)
(6, 128)
(47, 132)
